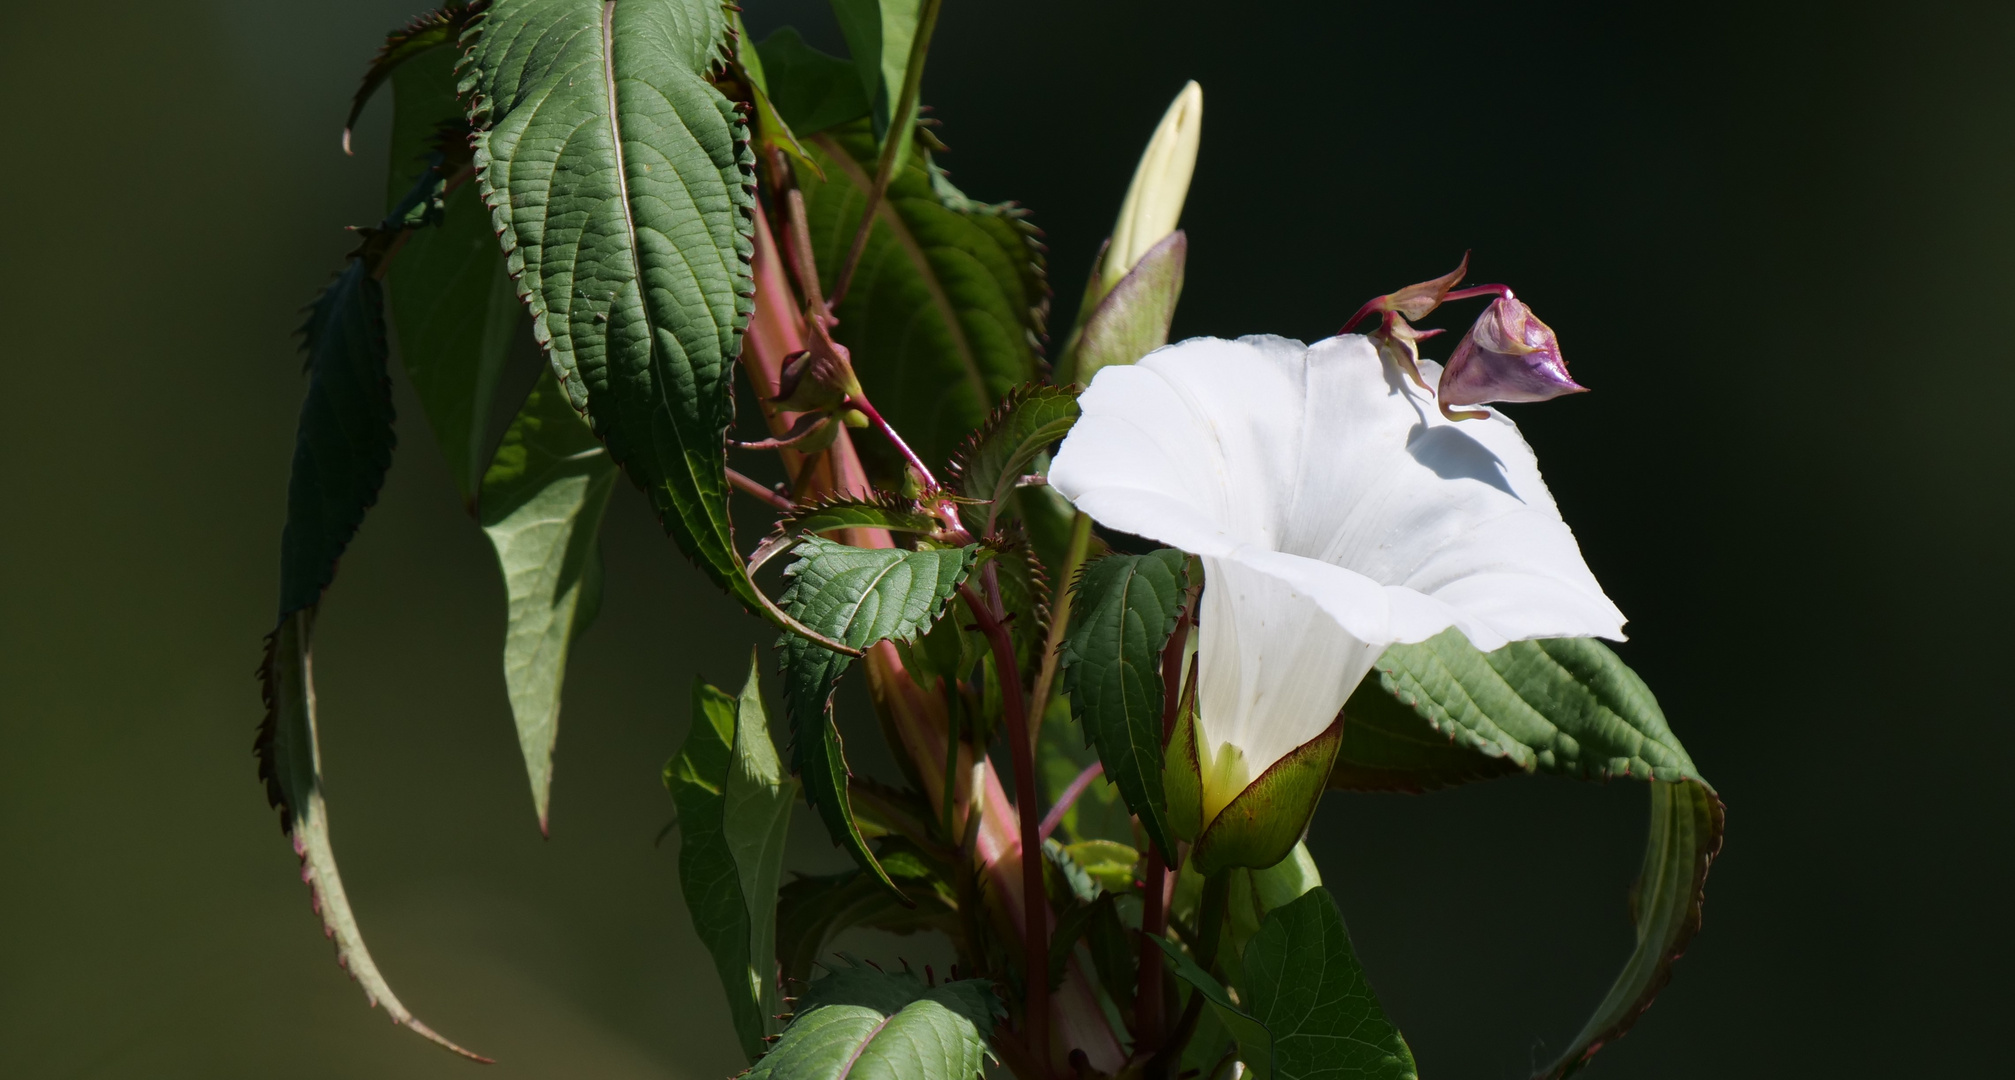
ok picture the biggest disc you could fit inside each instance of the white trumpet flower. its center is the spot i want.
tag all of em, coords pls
(1336, 512)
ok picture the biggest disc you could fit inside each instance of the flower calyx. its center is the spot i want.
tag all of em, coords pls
(1395, 337)
(816, 381)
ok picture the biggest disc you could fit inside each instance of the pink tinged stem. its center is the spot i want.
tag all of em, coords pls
(1503, 291)
(1068, 799)
(754, 487)
(1369, 307)
(867, 409)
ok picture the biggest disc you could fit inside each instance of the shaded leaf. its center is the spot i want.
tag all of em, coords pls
(734, 816)
(621, 185)
(422, 35)
(879, 34)
(813, 911)
(1126, 608)
(542, 505)
(857, 596)
(946, 310)
(453, 309)
(1567, 706)
(858, 1022)
(990, 465)
(811, 90)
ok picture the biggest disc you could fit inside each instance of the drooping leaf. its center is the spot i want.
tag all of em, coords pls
(1126, 608)
(1567, 706)
(862, 1023)
(422, 35)
(734, 816)
(621, 185)
(812, 911)
(1389, 747)
(946, 310)
(1133, 319)
(290, 762)
(811, 90)
(857, 596)
(991, 464)
(542, 505)
(454, 310)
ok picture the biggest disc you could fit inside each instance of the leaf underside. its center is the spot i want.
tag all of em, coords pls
(1568, 706)
(947, 306)
(857, 596)
(622, 187)
(1126, 608)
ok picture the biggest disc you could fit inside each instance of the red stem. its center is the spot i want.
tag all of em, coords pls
(1147, 1005)
(1068, 799)
(759, 491)
(867, 409)
(1035, 903)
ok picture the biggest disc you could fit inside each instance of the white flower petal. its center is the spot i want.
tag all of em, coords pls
(1371, 518)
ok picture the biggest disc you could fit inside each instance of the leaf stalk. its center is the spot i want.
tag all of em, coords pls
(897, 139)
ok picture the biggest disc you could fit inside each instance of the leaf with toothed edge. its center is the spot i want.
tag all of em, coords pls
(884, 511)
(621, 185)
(861, 1023)
(542, 505)
(1126, 608)
(1567, 706)
(859, 596)
(422, 34)
(990, 465)
(947, 307)
(734, 814)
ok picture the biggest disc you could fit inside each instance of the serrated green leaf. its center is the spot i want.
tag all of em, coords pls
(423, 35)
(882, 512)
(542, 504)
(1567, 706)
(621, 185)
(861, 1024)
(857, 596)
(1126, 608)
(1025, 593)
(811, 90)
(454, 310)
(945, 313)
(734, 815)
(992, 462)
(290, 762)
(812, 911)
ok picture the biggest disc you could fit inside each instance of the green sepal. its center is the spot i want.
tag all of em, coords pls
(857, 596)
(1133, 319)
(734, 818)
(1125, 611)
(1264, 822)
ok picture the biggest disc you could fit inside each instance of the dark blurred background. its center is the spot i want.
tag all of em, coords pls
(1773, 238)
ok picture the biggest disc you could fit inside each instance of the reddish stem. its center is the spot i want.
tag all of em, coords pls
(755, 488)
(1369, 307)
(1147, 1005)
(1479, 290)
(1035, 903)
(867, 409)
(1068, 799)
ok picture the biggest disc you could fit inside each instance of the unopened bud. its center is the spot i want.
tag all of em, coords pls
(1509, 355)
(1154, 201)
(816, 381)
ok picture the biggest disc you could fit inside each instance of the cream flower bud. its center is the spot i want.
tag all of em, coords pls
(1154, 201)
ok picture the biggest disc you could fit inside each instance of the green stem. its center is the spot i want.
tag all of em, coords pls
(901, 120)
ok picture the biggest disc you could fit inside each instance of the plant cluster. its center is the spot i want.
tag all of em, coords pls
(1125, 613)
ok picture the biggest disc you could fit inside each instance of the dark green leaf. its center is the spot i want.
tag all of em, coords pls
(1567, 706)
(812, 911)
(1025, 593)
(1255, 1043)
(734, 816)
(1125, 610)
(879, 34)
(542, 505)
(864, 1024)
(622, 188)
(857, 596)
(1389, 747)
(454, 310)
(811, 90)
(945, 313)
(992, 462)
(423, 35)
(290, 762)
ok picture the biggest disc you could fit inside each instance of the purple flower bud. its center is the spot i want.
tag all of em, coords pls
(1509, 355)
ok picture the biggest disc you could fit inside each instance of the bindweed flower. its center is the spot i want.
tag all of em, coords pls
(1335, 512)
(1509, 355)
(1154, 200)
